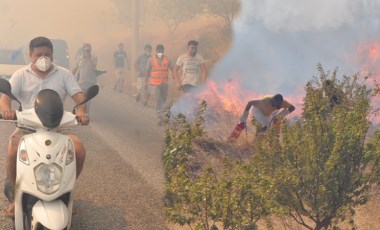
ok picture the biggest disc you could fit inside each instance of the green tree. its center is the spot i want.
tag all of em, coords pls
(234, 196)
(317, 170)
(321, 165)
(181, 203)
(243, 197)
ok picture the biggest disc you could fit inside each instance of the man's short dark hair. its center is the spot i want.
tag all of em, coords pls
(160, 47)
(39, 42)
(86, 46)
(147, 46)
(278, 97)
(192, 43)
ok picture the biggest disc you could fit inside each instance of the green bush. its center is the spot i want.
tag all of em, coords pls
(316, 171)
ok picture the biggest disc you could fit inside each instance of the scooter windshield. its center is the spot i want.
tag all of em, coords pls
(49, 108)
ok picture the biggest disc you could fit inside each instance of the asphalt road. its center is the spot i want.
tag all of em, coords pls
(122, 183)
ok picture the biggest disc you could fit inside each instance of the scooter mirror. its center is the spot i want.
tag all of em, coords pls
(6, 88)
(90, 93)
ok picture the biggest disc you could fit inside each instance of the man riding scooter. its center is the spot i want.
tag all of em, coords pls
(40, 74)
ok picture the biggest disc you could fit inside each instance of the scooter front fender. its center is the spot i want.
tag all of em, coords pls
(51, 214)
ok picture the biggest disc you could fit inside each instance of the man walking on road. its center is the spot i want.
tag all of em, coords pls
(120, 62)
(85, 71)
(193, 68)
(140, 66)
(157, 72)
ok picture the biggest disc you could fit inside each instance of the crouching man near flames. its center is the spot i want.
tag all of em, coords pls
(266, 111)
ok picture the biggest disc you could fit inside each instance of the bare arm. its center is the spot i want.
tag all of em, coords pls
(244, 117)
(6, 109)
(75, 69)
(287, 108)
(287, 105)
(176, 76)
(5, 102)
(148, 68)
(171, 68)
(81, 110)
(291, 108)
(250, 104)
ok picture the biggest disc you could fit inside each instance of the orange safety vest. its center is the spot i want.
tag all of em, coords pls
(159, 73)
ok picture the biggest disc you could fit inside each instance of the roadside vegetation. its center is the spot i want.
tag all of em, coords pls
(316, 171)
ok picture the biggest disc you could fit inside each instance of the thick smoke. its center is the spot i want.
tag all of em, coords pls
(278, 43)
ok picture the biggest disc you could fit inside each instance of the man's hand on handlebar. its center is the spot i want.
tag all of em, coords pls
(83, 119)
(8, 114)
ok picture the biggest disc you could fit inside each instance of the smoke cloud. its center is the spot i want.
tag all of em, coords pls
(278, 44)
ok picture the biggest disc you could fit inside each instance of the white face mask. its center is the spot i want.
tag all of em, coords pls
(43, 63)
(159, 55)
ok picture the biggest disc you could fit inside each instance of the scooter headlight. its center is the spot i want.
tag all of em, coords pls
(70, 153)
(23, 153)
(48, 177)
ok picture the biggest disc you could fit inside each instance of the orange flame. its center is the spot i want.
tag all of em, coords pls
(368, 56)
(226, 97)
(231, 97)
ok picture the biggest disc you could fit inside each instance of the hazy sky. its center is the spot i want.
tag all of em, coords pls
(23, 20)
(73, 20)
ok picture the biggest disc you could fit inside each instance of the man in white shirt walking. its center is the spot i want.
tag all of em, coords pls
(192, 67)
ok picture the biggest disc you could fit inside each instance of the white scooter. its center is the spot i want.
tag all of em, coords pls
(46, 164)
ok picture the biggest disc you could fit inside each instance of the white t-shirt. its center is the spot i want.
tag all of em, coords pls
(26, 84)
(191, 69)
